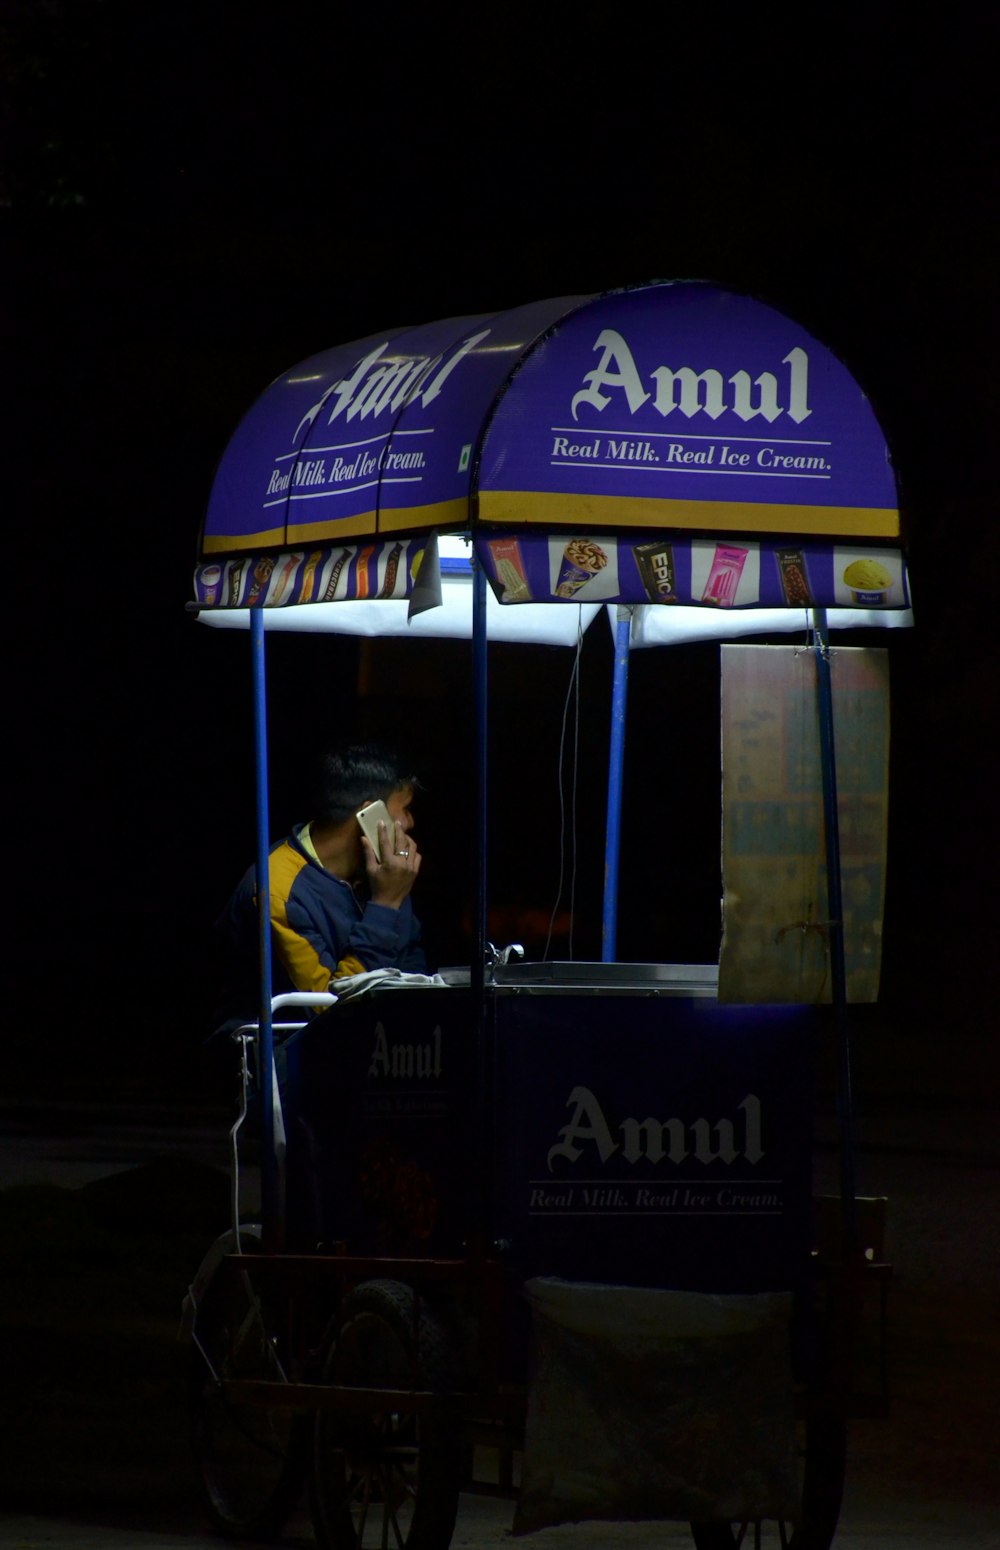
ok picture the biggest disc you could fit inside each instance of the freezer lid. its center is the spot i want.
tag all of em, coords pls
(672, 979)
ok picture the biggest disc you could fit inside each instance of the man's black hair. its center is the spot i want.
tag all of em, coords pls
(357, 773)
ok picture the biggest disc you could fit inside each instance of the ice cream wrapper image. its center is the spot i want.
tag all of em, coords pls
(508, 563)
(365, 583)
(391, 573)
(582, 560)
(794, 577)
(330, 581)
(235, 573)
(307, 583)
(208, 579)
(869, 581)
(261, 577)
(655, 564)
(281, 580)
(724, 575)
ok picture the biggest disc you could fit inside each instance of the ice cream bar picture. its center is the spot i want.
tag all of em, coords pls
(330, 590)
(391, 571)
(309, 576)
(261, 576)
(234, 580)
(509, 566)
(724, 575)
(284, 579)
(655, 564)
(794, 577)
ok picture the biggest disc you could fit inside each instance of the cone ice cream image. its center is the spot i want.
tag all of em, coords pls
(582, 560)
(869, 580)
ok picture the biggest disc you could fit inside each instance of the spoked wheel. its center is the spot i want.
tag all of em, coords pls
(822, 1463)
(387, 1479)
(251, 1458)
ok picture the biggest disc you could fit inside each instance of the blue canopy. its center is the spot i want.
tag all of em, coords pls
(674, 444)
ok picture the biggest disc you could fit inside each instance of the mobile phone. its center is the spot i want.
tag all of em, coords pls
(369, 818)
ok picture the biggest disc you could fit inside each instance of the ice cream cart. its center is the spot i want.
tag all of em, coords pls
(563, 1211)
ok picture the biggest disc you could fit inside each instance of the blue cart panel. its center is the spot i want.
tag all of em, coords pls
(644, 1140)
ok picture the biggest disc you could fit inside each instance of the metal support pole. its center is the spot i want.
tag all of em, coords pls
(480, 705)
(835, 915)
(480, 1010)
(273, 1226)
(616, 764)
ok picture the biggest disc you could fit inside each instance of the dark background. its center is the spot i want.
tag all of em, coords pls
(197, 197)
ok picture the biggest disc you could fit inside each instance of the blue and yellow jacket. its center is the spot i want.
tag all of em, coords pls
(320, 929)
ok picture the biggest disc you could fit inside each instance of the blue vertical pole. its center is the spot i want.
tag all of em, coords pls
(835, 916)
(480, 1009)
(270, 1202)
(616, 764)
(480, 699)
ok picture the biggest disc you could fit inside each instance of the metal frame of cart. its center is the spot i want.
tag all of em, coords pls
(772, 503)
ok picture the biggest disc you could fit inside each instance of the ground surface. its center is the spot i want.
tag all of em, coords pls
(104, 1211)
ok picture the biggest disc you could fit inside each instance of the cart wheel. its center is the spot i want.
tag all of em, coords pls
(387, 1479)
(823, 1462)
(251, 1459)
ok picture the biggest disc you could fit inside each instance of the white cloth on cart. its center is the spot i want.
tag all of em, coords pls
(379, 979)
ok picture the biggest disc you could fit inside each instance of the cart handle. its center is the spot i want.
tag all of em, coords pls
(322, 998)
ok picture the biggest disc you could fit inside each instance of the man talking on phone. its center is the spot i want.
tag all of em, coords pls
(339, 906)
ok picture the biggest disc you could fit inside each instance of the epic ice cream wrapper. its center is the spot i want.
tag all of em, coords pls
(655, 563)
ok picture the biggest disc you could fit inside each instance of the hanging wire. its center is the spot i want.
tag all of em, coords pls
(809, 630)
(573, 682)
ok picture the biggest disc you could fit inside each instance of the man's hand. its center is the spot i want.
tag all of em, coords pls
(391, 879)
